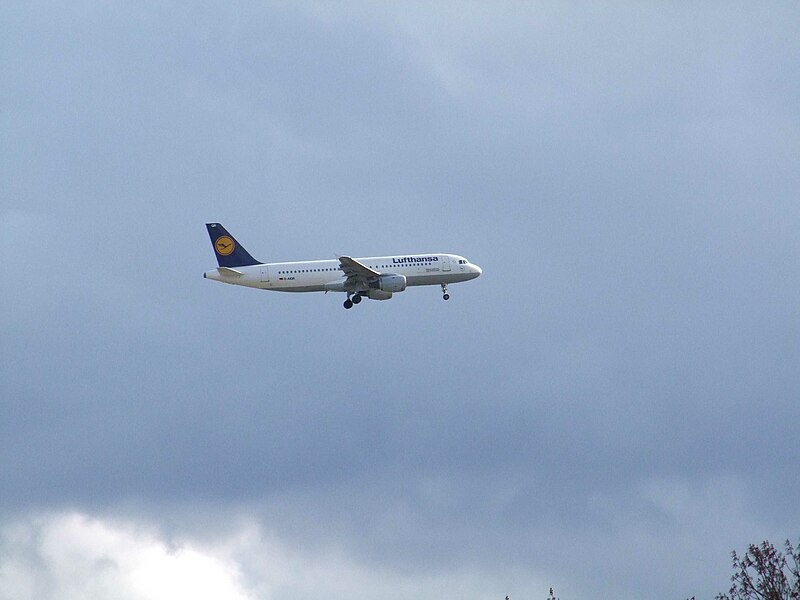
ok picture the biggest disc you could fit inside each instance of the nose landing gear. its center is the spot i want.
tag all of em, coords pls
(445, 295)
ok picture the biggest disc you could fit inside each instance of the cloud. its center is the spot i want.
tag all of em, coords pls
(71, 556)
(74, 556)
(627, 177)
(448, 540)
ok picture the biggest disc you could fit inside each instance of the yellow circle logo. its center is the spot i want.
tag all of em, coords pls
(224, 245)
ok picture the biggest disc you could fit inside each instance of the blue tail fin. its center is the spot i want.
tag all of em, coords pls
(230, 253)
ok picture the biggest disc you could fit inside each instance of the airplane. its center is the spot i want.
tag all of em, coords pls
(376, 278)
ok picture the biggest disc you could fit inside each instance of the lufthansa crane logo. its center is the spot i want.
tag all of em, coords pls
(224, 245)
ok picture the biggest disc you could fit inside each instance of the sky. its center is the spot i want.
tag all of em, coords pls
(609, 410)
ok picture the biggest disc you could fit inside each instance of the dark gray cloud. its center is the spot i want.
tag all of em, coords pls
(618, 389)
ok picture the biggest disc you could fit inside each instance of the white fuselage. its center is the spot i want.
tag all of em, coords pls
(327, 275)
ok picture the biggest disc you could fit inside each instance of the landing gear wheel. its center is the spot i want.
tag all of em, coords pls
(356, 298)
(446, 296)
(348, 303)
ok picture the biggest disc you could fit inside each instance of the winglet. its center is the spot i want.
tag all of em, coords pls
(229, 252)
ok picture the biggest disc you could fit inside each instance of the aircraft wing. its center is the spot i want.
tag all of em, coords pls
(355, 271)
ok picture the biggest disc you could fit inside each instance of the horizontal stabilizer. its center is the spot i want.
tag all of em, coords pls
(227, 271)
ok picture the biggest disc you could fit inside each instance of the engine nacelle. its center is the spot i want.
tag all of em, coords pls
(378, 295)
(390, 283)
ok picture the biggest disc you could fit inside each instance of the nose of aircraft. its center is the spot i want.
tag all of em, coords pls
(476, 270)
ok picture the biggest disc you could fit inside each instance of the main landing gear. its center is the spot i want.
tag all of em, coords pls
(445, 295)
(355, 300)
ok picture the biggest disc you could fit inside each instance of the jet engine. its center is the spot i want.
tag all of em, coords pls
(390, 283)
(378, 295)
